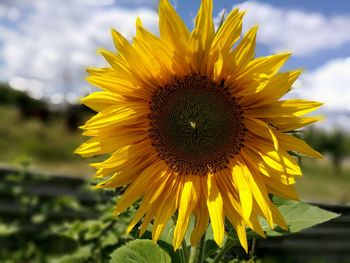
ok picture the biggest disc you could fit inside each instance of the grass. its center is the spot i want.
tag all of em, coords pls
(320, 184)
(32, 141)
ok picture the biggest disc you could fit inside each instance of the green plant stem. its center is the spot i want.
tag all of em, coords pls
(252, 251)
(183, 258)
(197, 252)
(184, 252)
(228, 245)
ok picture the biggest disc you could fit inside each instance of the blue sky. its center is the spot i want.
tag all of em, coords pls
(45, 45)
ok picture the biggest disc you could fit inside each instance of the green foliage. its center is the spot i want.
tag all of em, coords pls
(298, 216)
(50, 227)
(336, 143)
(14, 97)
(319, 184)
(140, 251)
(54, 228)
(41, 141)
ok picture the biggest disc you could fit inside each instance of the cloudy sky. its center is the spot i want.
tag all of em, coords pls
(45, 45)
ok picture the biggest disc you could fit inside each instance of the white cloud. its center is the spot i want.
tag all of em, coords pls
(301, 32)
(54, 41)
(328, 84)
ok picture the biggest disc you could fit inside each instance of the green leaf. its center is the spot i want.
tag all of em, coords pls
(166, 240)
(81, 255)
(298, 216)
(140, 251)
(109, 239)
(7, 229)
(93, 229)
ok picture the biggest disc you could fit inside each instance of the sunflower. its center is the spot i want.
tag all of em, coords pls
(194, 125)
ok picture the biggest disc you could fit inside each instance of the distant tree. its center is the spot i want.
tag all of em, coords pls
(316, 138)
(28, 106)
(76, 115)
(335, 143)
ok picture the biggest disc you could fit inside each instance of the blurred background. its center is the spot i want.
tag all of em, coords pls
(45, 47)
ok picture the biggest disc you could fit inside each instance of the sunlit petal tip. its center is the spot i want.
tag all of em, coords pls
(253, 30)
(115, 32)
(138, 22)
(298, 71)
(319, 118)
(98, 186)
(101, 51)
(116, 213)
(286, 54)
(90, 71)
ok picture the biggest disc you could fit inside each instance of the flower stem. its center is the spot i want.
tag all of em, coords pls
(197, 251)
(184, 252)
(228, 245)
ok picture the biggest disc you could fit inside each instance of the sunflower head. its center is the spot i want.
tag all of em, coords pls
(193, 126)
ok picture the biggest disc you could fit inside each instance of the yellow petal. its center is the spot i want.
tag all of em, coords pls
(261, 129)
(101, 100)
(255, 160)
(202, 36)
(244, 191)
(108, 116)
(188, 201)
(291, 143)
(278, 160)
(113, 59)
(172, 29)
(277, 86)
(287, 108)
(285, 124)
(244, 52)
(105, 144)
(154, 210)
(144, 207)
(115, 84)
(135, 62)
(264, 65)
(232, 212)
(202, 221)
(239, 226)
(116, 159)
(277, 217)
(229, 189)
(165, 210)
(147, 219)
(215, 207)
(277, 188)
(139, 25)
(259, 191)
(217, 76)
(159, 51)
(255, 224)
(229, 32)
(137, 189)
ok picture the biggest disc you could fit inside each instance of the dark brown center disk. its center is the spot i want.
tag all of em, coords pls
(196, 126)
